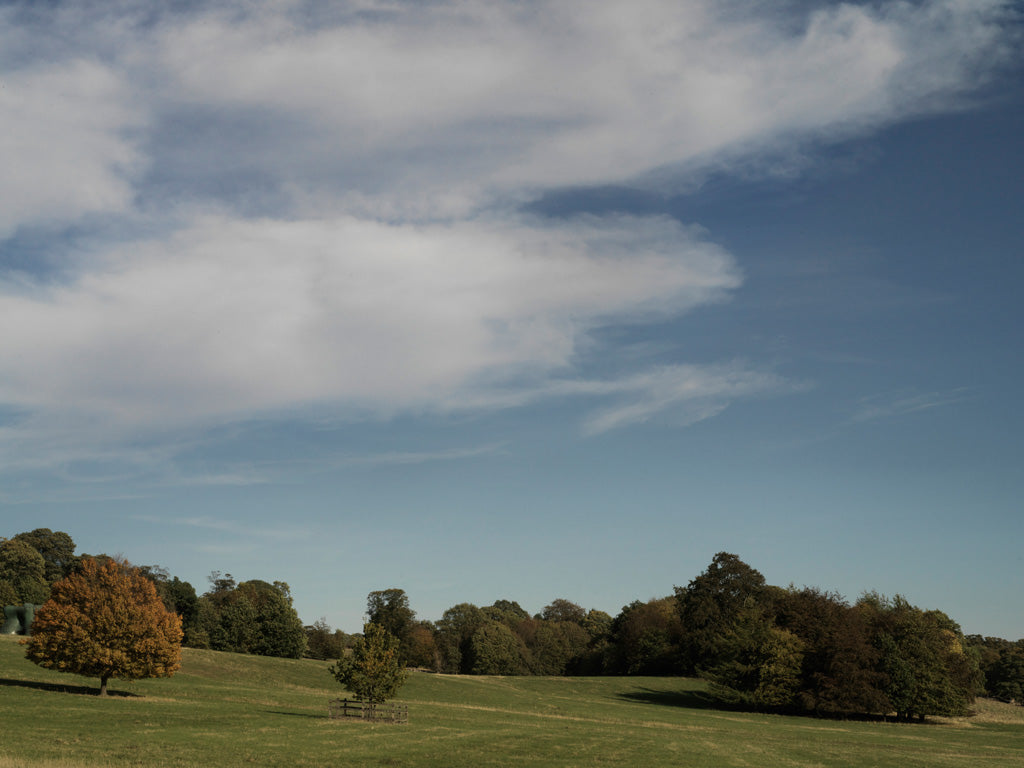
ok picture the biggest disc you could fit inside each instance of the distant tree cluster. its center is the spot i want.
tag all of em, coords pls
(251, 617)
(324, 643)
(809, 650)
(759, 645)
(503, 639)
(1002, 663)
(31, 563)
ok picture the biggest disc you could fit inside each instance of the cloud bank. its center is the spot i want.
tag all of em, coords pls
(263, 207)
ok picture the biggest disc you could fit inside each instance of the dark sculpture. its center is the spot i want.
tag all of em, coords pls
(18, 619)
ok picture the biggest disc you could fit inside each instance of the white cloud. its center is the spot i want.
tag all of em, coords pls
(387, 150)
(65, 149)
(426, 109)
(233, 316)
(481, 99)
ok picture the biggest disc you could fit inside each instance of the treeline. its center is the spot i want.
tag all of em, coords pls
(248, 617)
(253, 616)
(1002, 664)
(763, 646)
(760, 646)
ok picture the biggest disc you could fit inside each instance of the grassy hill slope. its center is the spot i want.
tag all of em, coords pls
(231, 710)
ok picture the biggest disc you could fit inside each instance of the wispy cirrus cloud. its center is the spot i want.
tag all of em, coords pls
(233, 528)
(892, 405)
(246, 473)
(682, 395)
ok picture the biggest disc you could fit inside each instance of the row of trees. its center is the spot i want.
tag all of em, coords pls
(810, 650)
(1002, 663)
(251, 617)
(248, 617)
(759, 645)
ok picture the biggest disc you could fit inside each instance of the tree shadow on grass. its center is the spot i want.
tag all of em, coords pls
(78, 690)
(684, 699)
(707, 700)
(309, 715)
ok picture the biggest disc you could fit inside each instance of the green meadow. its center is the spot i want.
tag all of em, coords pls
(231, 710)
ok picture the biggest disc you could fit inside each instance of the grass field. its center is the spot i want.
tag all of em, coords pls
(229, 710)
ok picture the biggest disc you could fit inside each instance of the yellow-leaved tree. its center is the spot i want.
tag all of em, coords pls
(106, 620)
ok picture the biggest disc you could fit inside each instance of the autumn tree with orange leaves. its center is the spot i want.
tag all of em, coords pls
(106, 620)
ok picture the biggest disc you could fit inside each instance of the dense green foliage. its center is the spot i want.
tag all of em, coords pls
(31, 562)
(644, 639)
(761, 646)
(178, 596)
(251, 617)
(324, 643)
(57, 549)
(494, 649)
(22, 574)
(455, 630)
(503, 636)
(722, 610)
(389, 608)
(1002, 664)
(807, 650)
(373, 669)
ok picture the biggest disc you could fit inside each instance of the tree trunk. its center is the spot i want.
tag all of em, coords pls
(103, 685)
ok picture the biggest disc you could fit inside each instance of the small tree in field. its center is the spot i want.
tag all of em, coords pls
(106, 621)
(373, 671)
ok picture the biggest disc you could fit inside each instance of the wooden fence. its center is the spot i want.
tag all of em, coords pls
(367, 710)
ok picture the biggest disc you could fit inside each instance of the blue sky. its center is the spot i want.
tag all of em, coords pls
(519, 300)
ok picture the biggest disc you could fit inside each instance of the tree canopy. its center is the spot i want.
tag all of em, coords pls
(1002, 664)
(251, 617)
(389, 608)
(57, 549)
(455, 629)
(809, 650)
(716, 608)
(22, 574)
(106, 621)
(495, 650)
(373, 670)
(31, 562)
